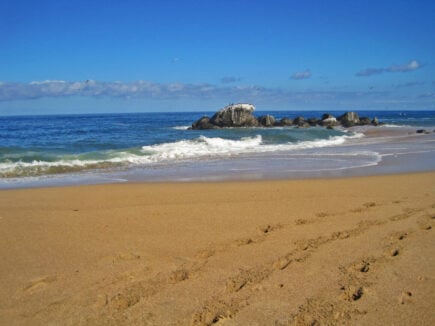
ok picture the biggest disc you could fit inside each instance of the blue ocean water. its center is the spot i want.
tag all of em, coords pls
(32, 146)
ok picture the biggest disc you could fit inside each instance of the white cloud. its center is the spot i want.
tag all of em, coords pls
(301, 75)
(145, 90)
(410, 66)
(142, 89)
(42, 82)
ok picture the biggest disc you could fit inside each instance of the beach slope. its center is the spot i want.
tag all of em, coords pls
(304, 252)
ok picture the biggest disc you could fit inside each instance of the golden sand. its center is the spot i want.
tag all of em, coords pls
(304, 252)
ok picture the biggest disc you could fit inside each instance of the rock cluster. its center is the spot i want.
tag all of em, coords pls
(241, 115)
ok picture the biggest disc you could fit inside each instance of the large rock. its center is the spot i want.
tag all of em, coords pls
(328, 120)
(364, 121)
(235, 115)
(349, 119)
(299, 121)
(203, 123)
(327, 116)
(375, 121)
(284, 122)
(313, 122)
(267, 120)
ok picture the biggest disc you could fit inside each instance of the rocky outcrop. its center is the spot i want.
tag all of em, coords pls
(364, 121)
(422, 131)
(241, 115)
(349, 119)
(375, 121)
(300, 122)
(235, 115)
(203, 123)
(328, 121)
(267, 120)
(313, 122)
(284, 122)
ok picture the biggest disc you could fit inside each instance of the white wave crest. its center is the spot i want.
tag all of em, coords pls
(219, 147)
(393, 126)
(181, 127)
(200, 148)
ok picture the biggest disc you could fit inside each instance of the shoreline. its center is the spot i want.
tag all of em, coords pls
(379, 154)
(244, 252)
(381, 151)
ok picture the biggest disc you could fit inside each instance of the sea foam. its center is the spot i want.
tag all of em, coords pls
(198, 148)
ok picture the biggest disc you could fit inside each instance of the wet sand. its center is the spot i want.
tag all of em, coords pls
(304, 252)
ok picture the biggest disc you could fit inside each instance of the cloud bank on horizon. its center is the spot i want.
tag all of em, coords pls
(145, 90)
(12, 91)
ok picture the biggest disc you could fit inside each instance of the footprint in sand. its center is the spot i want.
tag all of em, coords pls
(425, 222)
(178, 276)
(118, 258)
(363, 266)
(282, 263)
(266, 229)
(369, 204)
(204, 254)
(39, 283)
(244, 242)
(352, 293)
(394, 252)
(244, 277)
(217, 311)
(301, 221)
(405, 297)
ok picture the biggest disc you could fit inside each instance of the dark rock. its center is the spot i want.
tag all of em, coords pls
(304, 125)
(299, 121)
(328, 120)
(284, 122)
(267, 120)
(364, 121)
(313, 122)
(327, 116)
(241, 115)
(235, 115)
(422, 131)
(349, 119)
(203, 123)
(375, 121)
(330, 127)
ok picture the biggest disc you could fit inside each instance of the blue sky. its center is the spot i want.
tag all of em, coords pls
(79, 56)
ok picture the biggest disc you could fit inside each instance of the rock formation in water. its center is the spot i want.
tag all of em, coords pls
(241, 115)
(235, 115)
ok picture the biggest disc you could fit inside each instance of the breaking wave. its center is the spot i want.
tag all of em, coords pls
(183, 150)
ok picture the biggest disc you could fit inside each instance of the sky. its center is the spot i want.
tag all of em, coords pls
(81, 56)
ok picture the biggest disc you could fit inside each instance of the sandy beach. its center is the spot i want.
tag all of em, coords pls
(341, 251)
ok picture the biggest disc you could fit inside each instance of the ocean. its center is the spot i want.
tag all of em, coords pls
(78, 149)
